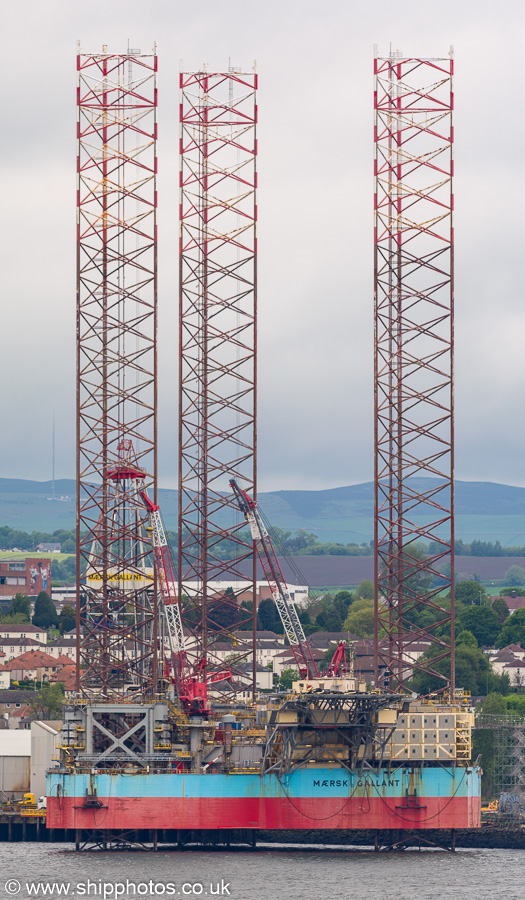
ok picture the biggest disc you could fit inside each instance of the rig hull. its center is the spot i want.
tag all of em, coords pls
(323, 798)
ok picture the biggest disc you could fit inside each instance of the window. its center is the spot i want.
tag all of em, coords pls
(18, 705)
(17, 567)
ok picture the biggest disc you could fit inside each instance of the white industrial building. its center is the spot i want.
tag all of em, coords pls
(25, 754)
(298, 592)
(15, 763)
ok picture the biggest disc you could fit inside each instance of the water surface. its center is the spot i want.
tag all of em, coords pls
(276, 872)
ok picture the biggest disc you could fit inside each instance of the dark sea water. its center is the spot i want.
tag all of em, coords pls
(276, 873)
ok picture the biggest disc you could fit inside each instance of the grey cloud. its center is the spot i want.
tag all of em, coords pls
(315, 201)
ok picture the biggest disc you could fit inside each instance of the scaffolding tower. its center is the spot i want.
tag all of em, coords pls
(507, 733)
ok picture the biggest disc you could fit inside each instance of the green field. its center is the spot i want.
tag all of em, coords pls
(21, 554)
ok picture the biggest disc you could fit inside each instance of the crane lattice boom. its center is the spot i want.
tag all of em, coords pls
(191, 690)
(293, 628)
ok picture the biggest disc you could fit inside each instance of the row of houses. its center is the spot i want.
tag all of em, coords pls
(38, 667)
(26, 656)
(18, 639)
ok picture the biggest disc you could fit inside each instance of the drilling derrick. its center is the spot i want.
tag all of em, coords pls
(217, 386)
(414, 415)
(116, 374)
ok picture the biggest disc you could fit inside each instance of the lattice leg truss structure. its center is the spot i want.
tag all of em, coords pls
(116, 371)
(218, 316)
(414, 440)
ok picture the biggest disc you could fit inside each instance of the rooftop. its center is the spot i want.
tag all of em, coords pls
(26, 628)
(514, 602)
(16, 696)
(330, 637)
(66, 673)
(63, 661)
(20, 642)
(32, 659)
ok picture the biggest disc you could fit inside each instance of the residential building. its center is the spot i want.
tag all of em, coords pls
(263, 676)
(262, 637)
(11, 702)
(507, 657)
(514, 603)
(13, 648)
(33, 666)
(326, 639)
(67, 674)
(517, 649)
(266, 652)
(21, 718)
(63, 646)
(516, 672)
(23, 631)
(286, 660)
(222, 650)
(5, 679)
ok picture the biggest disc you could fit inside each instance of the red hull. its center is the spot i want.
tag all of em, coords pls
(264, 813)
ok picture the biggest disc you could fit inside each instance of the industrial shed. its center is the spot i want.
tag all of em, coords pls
(15, 762)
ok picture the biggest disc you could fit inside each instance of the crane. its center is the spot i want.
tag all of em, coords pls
(191, 684)
(293, 628)
(338, 665)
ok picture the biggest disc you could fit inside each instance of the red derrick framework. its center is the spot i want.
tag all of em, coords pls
(414, 417)
(217, 386)
(116, 372)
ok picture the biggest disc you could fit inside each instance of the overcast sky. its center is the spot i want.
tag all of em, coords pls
(315, 220)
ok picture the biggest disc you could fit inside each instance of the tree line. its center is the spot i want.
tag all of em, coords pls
(25, 540)
(44, 616)
(296, 543)
(479, 548)
(300, 542)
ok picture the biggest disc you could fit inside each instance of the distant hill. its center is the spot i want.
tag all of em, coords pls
(484, 510)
